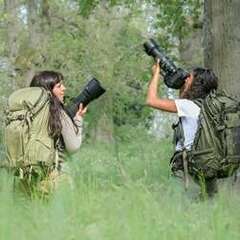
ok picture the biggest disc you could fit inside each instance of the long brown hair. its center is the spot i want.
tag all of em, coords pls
(47, 80)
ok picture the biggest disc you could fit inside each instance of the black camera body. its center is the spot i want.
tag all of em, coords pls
(173, 76)
(91, 91)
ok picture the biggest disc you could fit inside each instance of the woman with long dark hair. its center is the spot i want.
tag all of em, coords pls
(38, 162)
(61, 126)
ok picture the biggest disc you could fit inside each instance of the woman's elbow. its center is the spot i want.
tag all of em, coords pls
(150, 102)
(73, 148)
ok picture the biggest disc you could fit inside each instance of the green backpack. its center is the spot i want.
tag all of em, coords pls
(26, 131)
(215, 152)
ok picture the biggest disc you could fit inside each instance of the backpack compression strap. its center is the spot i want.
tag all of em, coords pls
(179, 138)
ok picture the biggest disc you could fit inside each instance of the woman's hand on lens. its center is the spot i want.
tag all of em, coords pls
(81, 111)
(156, 68)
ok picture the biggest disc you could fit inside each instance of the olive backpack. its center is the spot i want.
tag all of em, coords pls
(215, 152)
(26, 130)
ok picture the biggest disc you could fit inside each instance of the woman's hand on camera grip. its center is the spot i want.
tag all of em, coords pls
(81, 111)
(156, 68)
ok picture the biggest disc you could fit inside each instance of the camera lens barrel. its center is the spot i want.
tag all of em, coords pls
(91, 91)
(173, 77)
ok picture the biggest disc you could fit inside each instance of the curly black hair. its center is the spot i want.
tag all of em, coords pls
(204, 81)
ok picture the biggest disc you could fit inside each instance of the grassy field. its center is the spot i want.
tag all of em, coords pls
(121, 191)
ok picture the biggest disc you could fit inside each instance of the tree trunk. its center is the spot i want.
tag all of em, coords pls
(222, 42)
(36, 31)
(46, 19)
(12, 27)
(33, 24)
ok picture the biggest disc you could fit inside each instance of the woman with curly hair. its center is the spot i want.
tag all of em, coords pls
(197, 86)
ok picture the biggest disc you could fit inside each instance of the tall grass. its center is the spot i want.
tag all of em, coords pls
(121, 191)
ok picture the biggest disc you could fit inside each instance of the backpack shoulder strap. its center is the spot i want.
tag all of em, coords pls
(178, 135)
(198, 102)
(26, 103)
(40, 103)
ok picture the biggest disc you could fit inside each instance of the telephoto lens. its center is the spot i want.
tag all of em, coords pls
(173, 76)
(91, 91)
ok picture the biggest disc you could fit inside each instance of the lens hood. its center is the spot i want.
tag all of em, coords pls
(91, 91)
(177, 79)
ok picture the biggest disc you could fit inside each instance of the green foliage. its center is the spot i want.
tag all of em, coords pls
(83, 39)
(4, 90)
(176, 17)
(86, 6)
(107, 45)
(176, 21)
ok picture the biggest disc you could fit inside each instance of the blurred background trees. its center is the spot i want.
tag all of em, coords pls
(86, 38)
